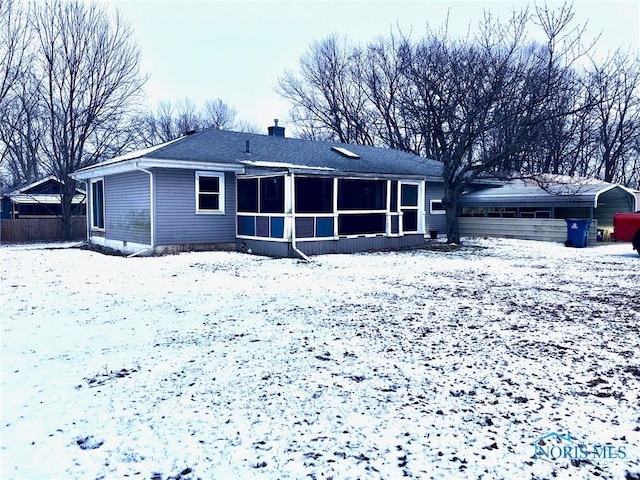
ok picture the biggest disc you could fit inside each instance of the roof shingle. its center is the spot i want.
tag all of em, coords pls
(221, 146)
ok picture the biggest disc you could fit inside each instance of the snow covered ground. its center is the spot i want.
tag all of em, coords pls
(424, 364)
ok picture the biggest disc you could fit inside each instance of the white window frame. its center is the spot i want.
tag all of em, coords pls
(436, 212)
(417, 207)
(220, 176)
(286, 215)
(104, 219)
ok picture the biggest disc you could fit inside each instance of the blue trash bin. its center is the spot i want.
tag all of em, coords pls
(577, 232)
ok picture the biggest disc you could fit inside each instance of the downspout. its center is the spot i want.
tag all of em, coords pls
(151, 214)
(293, 221)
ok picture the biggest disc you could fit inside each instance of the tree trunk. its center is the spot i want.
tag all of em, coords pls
(66, 203)
(451, 214)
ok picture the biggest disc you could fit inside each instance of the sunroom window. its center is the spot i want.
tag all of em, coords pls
(314, 195)
(356, 194)
(209, 192)
(248, 195)
(261, 207)
(361, 224)
(261, 195)
(367, 199)
(272, 195)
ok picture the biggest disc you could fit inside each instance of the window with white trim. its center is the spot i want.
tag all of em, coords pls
(261, 195)
(97, 204)
(409, 205)
(260, 204)
(362, 194)
(209, 192)
(247, 193)
(436, 207)
(314, 195)
(362, 206)
(272, 195)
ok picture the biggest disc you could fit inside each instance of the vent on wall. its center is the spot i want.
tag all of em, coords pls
(345, 152)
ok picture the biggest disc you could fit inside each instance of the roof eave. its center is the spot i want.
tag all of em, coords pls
(348, 174)
(44, 198)
(503, 201)
(33, 184)
(130, 165)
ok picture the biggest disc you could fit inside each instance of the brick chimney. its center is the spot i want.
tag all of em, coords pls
(275, 130)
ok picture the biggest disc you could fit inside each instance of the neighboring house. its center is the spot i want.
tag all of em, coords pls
(265, 194)
(529, 201)
(38, 199)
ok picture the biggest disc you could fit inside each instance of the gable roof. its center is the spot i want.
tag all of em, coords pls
(238, 150)
(49, 185)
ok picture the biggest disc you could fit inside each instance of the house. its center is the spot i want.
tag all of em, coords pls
(266, 194)
(530, 205)
(38, 199)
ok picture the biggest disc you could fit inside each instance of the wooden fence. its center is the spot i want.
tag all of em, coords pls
(542, 229)
(39, 229)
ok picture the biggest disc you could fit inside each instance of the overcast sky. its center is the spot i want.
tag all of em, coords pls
(236, 50)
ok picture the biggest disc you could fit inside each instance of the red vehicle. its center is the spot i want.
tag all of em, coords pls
(626, 228)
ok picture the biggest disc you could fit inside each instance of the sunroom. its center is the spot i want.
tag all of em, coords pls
(299, 213)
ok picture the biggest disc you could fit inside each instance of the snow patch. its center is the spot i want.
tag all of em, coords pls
(425, 364)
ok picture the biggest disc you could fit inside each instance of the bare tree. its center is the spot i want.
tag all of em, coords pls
(496, 86)
(327, 100)
(462, 91)
(14, 43)
(217, 114)
(616, 116)
(163, 122)
(14, 61)
(169, 121)
(22, 130)
(564, 143)
(384, 81)
(187, 118)
(153, 127)
(248, 127)
(90, 81)
(481, 104)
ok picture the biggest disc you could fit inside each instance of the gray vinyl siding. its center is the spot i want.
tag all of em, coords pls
(176, 219)
(127, 207)
(260, 247)
(434, 191)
